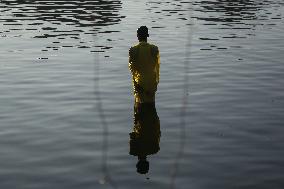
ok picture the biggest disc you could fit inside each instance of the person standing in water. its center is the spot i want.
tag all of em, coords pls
(144, 64)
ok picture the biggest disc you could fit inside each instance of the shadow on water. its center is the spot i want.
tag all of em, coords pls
(145, 136)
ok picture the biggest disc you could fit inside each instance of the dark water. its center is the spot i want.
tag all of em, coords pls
(67, 105)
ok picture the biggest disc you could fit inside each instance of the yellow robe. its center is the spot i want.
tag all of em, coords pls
(144, 64)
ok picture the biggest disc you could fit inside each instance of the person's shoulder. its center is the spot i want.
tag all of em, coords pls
(154, 48)
(133, 50)
(134, 46)
(153, 45)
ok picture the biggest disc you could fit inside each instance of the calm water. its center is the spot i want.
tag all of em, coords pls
(67, 105)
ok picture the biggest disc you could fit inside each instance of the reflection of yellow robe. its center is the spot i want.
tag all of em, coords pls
(145, 137)
(144, 64)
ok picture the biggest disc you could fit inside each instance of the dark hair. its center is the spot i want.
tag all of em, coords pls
(142, 31)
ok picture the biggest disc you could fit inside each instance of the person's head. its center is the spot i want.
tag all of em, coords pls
(142, 33)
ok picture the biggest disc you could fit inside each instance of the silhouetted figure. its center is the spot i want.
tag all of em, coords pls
(145, 137)
(144, 64)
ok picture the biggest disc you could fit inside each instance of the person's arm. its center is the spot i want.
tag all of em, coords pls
(157, 62)
(132, 68)
(131, 60)
(158, 67)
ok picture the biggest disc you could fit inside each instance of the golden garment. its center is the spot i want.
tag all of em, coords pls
(144, 64)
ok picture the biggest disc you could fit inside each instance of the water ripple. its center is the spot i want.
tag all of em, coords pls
(58, 19)
(240, 18)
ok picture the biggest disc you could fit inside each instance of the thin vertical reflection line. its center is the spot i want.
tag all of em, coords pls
(184, 106)
(106, 176)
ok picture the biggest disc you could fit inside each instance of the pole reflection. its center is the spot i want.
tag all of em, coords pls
(145, 136)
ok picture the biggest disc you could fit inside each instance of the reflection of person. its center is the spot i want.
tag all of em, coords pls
(145, 137)
(144, 64)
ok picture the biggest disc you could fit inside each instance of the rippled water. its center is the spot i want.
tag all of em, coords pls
(67, 105)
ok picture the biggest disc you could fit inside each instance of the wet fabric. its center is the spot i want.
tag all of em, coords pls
(144, 64)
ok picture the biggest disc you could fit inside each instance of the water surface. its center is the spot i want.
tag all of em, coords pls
(67, 105)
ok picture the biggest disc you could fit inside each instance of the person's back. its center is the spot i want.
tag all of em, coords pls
(144, 64)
